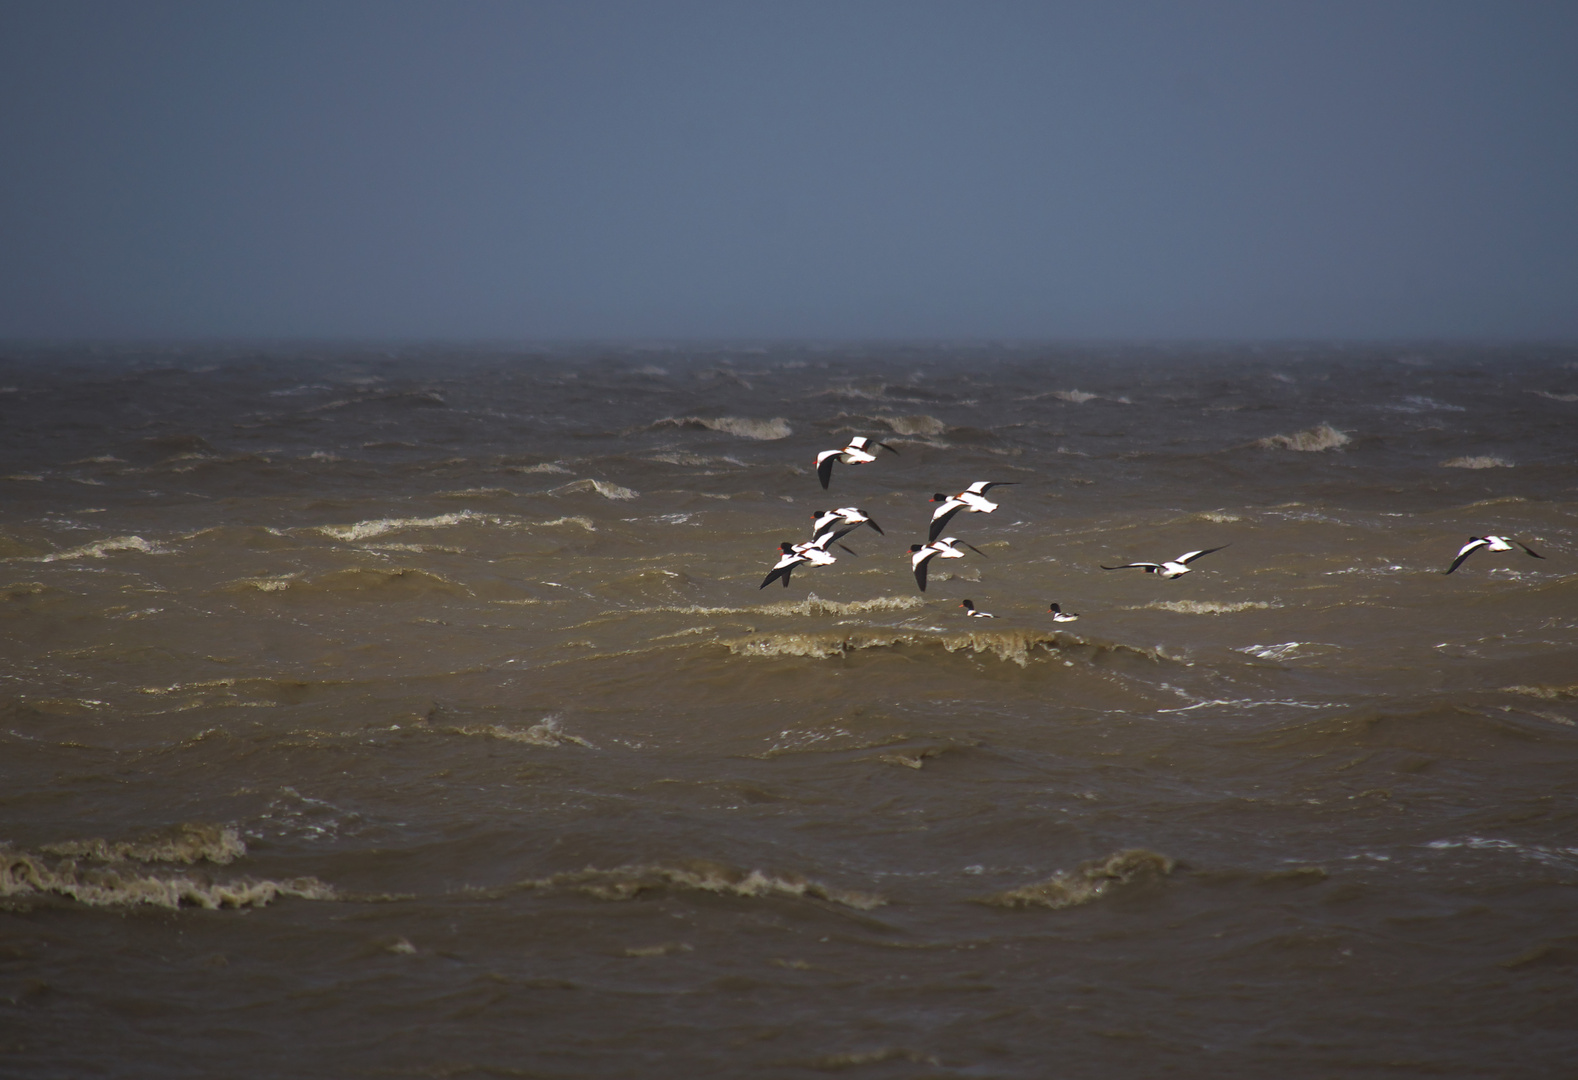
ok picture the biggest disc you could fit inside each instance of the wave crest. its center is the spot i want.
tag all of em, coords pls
(743, 427)
(1312, 440)
(187, 843)
(698, 875)
(26, 877)
(1010, 645)
(1090, 881)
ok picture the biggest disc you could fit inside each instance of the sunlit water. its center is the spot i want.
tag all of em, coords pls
(419, 713)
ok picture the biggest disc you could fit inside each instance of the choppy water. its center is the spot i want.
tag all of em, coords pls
(418, 713)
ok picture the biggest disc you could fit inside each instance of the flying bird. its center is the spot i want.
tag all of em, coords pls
(813, 553)
(969, 609)
(853, 454)
(1488, 543)
(830, 520)
(971, 499)
(1059, 615)
(1172, 568)
(922, 554)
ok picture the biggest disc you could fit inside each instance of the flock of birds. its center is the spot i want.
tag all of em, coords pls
(829, 527)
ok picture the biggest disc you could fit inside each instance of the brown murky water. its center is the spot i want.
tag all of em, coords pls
(418, 713)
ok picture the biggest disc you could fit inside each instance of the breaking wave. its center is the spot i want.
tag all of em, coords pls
(601, 487)
(546, 732)
(811, 605)
(698, 875)
(1090, 881)
(116, 874)
(1206, 607)
(741, 426)
(1013, 646)
(366, 530)
(1483, 462)
(1323, 437)
(185, 843)
(102, 548)
(914, 425)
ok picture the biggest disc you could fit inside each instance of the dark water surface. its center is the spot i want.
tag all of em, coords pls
(417, 713)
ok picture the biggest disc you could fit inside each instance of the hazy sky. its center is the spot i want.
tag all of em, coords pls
(812, 168)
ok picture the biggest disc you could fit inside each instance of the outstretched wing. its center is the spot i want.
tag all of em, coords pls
(888, 448)
(777, 573)
(941, 517)
(981, 487)
(1135, 566)
(873, 523)
(1193, 555)
(1527, 548)
(973, 548)
(824, 465)
(920, 572)
(1473, 545)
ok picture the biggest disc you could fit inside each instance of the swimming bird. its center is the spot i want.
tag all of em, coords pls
(1488, 543)
(969, 609)
(813, 553)
(1172, 568)
(921, 554)
(853, 454)
(852, 516)
(971, 498)
(1059, 615)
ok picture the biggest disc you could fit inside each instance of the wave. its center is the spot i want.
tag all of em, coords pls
(366, 530)
(697, 875)
(1547, 693)
(102, 548)
(543, 467)
(1205, 607)
(188, 843)
(812, 605)
(1483, 462)
(1315, 439)
(370, 582)
(1011, 645)
(120, 883)
(1090, 881)
(546, 732)
(914, 425)
(741, 426)
(601, 487)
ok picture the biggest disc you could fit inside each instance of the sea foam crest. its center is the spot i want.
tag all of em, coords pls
(1321, 437)
(187, 843)
(1485, 461)
(699, 875)
(24, 877)
(366, 530)
(1014, 646)
(1206, 607)
(743, 427)
(102, 548)
(601, 487)
(546, 732)
(1088, 882)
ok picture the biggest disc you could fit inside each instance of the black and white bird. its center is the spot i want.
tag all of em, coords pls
(1489, 543)
(969, 609)
(1059, 615)
(1171, 568)
(813, 553)
(923, 554)
(853, 454)
(851, 517)
(972, 499)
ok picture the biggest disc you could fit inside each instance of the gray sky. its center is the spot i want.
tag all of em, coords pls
(819, 168)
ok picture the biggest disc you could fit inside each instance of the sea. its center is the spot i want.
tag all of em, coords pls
(418, 710)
